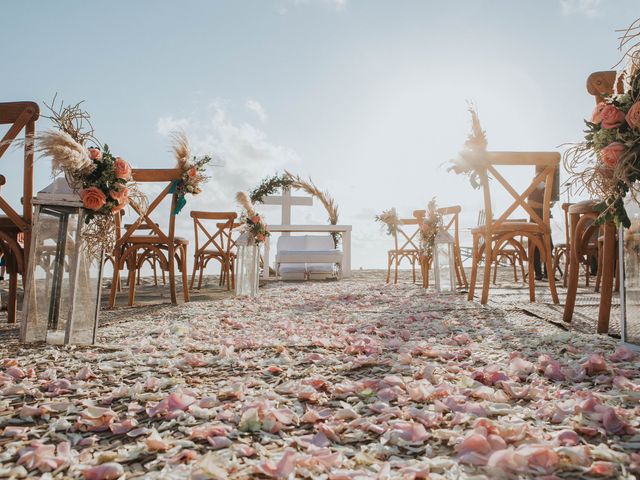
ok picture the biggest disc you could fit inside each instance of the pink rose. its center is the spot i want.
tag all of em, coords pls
(633, 115)
(122, 168)
(612, 117)
(596, 115)
(93, 198)
(121, 196)
(611, 154)
(95, 154)
(255, 219)
(192, 172)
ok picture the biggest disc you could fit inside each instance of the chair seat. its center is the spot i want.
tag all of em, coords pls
(525, 227)
(309, 256)
(214, 253)
(155, 240)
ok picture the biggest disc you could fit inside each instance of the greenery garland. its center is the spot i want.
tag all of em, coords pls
(269, 186)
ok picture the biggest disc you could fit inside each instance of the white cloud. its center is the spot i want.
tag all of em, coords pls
(589, 8)
(247, 154)
(257, 108)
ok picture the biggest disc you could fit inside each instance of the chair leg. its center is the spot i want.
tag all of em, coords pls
(185, 279)
(532, 275)
(388, 267)
(132, 278)
(195, 267)
(573, 270)
(12, 301)
(413, 268)
(550, 272)
(155, 272)
(116, 284)
(172, 274)
(606, 285)
(515, 268)
(201, 273)
(486, 281)
(397, 264)
(474, 269)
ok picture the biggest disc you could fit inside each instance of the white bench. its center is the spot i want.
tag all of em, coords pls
(308, 256)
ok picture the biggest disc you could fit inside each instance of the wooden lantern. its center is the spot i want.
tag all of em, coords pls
(62, 293)
(444, 262)
(629, 255)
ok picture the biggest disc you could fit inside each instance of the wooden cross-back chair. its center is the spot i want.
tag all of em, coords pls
(19, 116)
(406, 245)
(169, 249)
(217, 245)
(488, 239)
(581, 222)
(450, 223)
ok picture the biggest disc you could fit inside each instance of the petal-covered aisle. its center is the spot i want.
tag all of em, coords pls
(339, 380)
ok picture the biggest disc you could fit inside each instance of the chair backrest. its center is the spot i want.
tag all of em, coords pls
(20, 115)
(405, 236)
(603, 83)
(153, 175)
(487, 166)
(220, 239)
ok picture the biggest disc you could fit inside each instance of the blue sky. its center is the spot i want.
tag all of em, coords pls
(366, 96)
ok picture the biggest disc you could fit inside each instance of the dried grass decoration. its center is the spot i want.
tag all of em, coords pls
(389, 219)
(192, 169)
(474, 146)
(607, 163)
(254, 225)
(429, 229)
(102, 180)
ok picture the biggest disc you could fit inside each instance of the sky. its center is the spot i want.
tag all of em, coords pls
(367, 97)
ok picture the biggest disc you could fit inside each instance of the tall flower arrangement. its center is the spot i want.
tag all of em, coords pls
(254, 224)
(607, 162)
(429, 228)
(102, 180)
(192, 169)
(389, 218)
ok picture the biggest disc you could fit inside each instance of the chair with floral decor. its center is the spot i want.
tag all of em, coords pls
(170, 250)
(217, 245)
(450, 223)
(406, 243)
(15, 228)
(488, 238)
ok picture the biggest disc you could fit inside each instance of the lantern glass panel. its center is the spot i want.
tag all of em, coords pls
(247, 267)
(631, 278)
(443, 262)
(63, 281)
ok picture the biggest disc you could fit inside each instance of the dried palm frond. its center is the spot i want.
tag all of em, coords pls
(243, 199)
(477, 139)
(67, 155)
(308, 186)
(181, 150)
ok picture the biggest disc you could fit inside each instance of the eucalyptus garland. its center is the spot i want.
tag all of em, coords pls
(269, 186)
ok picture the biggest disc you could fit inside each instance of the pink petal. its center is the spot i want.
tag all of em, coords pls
(106, 471)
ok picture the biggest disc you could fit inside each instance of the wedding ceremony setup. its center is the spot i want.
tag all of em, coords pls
(279, 246)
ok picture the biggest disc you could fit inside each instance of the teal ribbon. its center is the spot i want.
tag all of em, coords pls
(180, 201)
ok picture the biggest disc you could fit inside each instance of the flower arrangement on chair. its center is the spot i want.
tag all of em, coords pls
(254, 225)
(192, 169)
(389, 218)
(429, 229)
(102, 180)
(607, 162)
